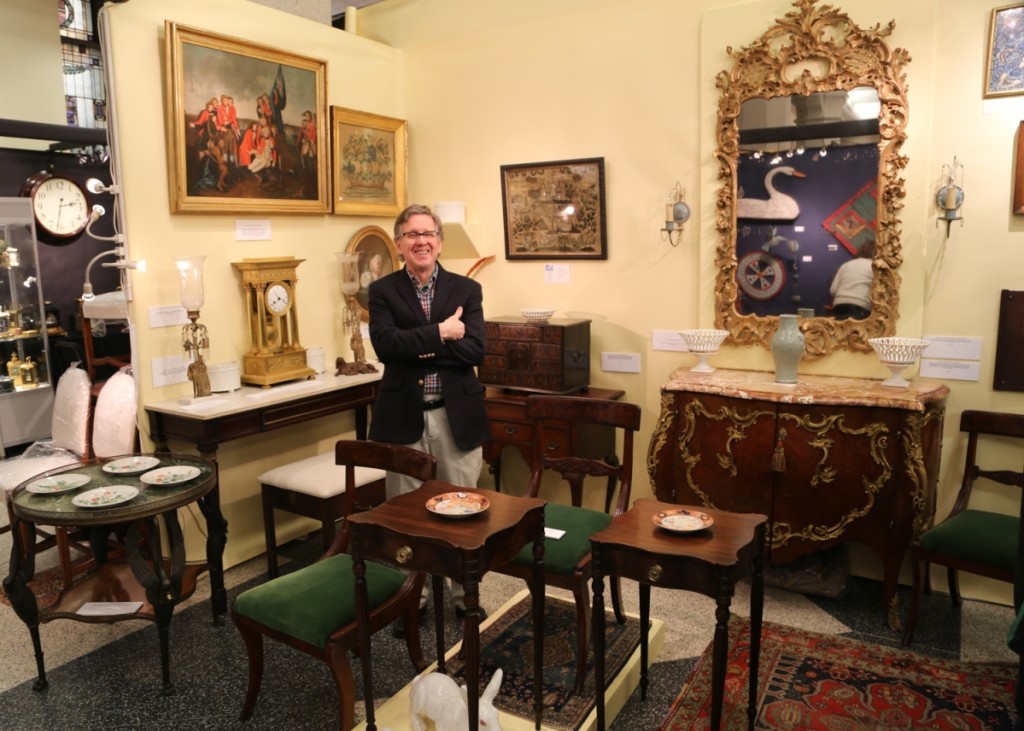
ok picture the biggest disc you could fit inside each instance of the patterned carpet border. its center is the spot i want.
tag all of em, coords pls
(812, 681)
(508, 644)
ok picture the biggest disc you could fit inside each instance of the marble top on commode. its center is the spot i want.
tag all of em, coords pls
(825, 390)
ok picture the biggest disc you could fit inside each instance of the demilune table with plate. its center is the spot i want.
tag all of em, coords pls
(137, 492)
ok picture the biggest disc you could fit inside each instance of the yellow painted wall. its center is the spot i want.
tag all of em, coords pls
(33, 85)
(485, 83)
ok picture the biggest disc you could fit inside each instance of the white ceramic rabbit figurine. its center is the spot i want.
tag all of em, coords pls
(443, 701)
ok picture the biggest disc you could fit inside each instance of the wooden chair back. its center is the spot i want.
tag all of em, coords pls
(352, 453)
(553, 419)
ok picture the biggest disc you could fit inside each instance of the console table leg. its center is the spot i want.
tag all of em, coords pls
(22, 598)
(216, 538)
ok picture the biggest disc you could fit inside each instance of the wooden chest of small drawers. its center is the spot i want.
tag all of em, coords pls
(553, 357)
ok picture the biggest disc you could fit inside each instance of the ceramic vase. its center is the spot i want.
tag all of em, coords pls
(787, 349)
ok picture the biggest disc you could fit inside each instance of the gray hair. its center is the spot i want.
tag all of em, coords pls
(418, 209)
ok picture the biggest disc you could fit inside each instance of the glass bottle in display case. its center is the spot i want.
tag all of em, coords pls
(26, 394)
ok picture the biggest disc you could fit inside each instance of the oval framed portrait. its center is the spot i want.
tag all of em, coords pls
(378, 257)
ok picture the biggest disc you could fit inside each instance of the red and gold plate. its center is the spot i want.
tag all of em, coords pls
(458, 504)
(682, 520)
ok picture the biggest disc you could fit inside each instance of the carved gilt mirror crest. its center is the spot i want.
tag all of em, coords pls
(814, 65)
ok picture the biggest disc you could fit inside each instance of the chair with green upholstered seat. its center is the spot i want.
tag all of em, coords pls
(567, 563)
(313, 609)
(981, 542)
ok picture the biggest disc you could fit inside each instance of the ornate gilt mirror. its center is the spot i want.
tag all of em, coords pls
(808, 177)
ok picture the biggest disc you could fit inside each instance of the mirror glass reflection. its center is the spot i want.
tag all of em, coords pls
(806, 204)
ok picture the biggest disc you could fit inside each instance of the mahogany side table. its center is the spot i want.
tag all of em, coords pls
(708, 561)
(404, 532)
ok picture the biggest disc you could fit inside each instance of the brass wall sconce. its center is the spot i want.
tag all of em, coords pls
(951, 194)
(676, 214)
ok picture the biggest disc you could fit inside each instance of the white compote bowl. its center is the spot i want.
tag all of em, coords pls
(703, 344)
(897, 354)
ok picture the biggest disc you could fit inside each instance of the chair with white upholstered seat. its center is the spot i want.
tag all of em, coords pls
(68, 444)
(314, 488)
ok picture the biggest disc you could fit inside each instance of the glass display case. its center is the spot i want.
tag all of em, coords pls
(26, 394)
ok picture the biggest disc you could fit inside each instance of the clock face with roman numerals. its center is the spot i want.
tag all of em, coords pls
(278, 298)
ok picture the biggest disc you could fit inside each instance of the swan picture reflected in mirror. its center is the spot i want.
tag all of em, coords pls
(778, 206)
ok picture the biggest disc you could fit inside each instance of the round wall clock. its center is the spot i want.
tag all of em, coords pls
(60, 206)
(760, 275)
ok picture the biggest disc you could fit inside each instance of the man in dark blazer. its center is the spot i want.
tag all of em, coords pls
(427, 328)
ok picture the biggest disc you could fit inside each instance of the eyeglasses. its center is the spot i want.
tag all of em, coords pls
(413, 235)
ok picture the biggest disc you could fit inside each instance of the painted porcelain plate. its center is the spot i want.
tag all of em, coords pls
(130, 465)
(458, 504)
(682, 520)
(170, 475)
(57, 483)
(104, 497)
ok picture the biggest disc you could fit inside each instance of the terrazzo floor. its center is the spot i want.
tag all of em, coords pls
(107, 676)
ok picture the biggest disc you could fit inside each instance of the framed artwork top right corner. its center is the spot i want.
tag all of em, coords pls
(1004, 62)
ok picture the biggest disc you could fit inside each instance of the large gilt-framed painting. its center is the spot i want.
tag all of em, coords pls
(247, 126)
(554, 210)
(369, 163)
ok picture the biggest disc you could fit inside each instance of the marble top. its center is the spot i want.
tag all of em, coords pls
(837, 390)
(254, 397)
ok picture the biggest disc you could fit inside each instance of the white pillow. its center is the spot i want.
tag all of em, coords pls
(113, 423)
(70, 424)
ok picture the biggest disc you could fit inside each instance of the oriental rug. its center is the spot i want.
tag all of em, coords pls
(46, 585)
(811, 681)
(507, 643)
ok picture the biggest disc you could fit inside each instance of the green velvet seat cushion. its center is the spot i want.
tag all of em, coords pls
(316, 601)
(562, 555)
(976, 535)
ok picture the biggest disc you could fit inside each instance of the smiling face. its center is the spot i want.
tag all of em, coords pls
(421, 252)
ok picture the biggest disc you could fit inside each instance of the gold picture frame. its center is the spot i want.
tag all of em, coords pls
(1004, 72)
(241, 123)
(378, 257)
(555, 210)
(370, 163)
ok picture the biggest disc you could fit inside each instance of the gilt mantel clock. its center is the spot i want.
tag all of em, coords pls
(276, 354)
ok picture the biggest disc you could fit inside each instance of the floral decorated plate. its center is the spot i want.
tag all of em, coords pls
(458, 504)
(130, 465)
(104, 497)
(682, 520)
(171, 475)
(57, 483)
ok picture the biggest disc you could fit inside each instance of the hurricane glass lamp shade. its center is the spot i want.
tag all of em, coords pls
(349, 278)
(190, 282)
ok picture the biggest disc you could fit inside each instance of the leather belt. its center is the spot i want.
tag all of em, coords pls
(431, 405)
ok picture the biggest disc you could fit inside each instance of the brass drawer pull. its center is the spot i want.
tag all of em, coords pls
(403, 554)
(552, 446)
(654, 573)
(511, 430)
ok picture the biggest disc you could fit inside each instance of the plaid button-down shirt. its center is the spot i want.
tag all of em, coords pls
(425, 293)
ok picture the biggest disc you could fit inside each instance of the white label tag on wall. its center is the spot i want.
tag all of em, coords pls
(169, 370)
(957, 370)
(556, 273)
(167, 316)
(250, 229)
